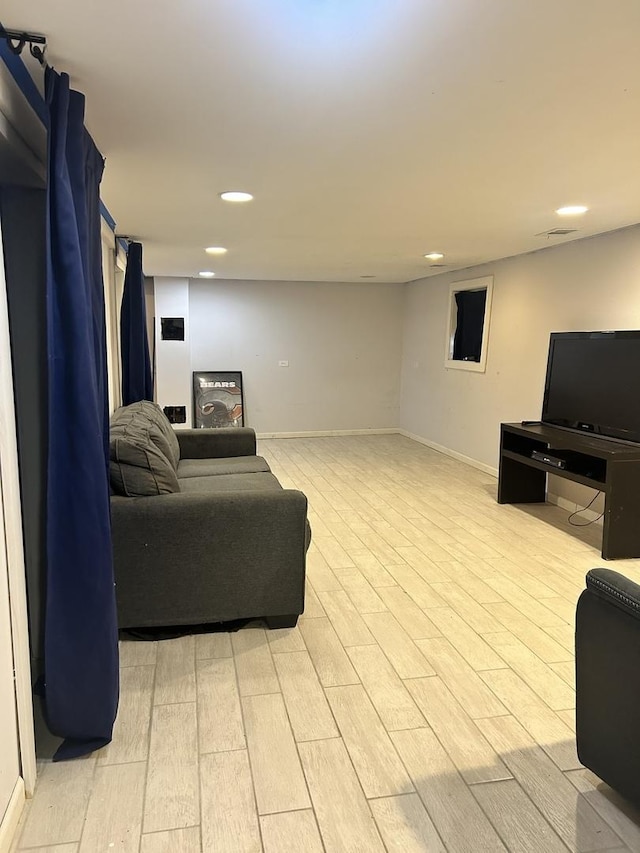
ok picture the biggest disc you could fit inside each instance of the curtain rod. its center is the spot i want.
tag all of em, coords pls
(17, 39)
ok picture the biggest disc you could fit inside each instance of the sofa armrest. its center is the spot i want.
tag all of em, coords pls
(616, 589)
(216, 443)
(189, 558)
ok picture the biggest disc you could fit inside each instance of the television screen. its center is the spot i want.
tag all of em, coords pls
(592, 383)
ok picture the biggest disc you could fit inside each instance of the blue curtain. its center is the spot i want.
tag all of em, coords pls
(137, 383)
(81, 638)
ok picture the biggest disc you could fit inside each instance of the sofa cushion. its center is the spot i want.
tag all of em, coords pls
(149, 416)
(137, 466)
(155, 413)
(225, 465)
(258, 482)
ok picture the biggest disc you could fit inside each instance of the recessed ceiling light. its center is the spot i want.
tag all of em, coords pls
(215, 250)
(572, 210)
(234, 195)
(434, 256)
(206, 274)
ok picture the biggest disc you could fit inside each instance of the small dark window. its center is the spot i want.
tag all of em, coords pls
(172, 328)
(468, 324)
(467, 341)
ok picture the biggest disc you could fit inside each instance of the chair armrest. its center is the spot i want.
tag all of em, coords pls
(608, 680)
(616, 589)
(216, 443)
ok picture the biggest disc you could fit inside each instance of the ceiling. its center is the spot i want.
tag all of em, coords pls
(369, 131)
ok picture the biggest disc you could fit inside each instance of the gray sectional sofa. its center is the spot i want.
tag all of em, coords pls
(203, 532)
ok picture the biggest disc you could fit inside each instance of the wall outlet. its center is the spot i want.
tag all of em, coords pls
(283, 363)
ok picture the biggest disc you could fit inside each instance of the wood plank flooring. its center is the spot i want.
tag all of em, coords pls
(424, 703)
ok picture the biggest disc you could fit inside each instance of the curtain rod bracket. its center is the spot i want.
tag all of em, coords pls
(38, 53)
(17, 39)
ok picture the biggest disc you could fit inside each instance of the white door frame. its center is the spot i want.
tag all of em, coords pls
(10, 485)
(19, 123)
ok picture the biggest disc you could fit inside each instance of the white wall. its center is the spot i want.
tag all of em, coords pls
(582, 285)
(111, 316)
(349, 345)
(343, 343)
(9, 754)
(9, 750)
(173, 358)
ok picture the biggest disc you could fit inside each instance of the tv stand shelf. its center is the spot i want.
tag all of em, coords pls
(611, 466)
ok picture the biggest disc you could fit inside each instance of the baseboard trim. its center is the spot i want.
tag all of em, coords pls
(468, 460)
(324, 433)
(12, 816)
(480, 466)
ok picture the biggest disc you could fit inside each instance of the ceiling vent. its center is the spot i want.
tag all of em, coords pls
(557, 232)
(436, 266)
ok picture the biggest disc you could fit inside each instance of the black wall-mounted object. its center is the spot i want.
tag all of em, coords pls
(172, 328)
(176, 414)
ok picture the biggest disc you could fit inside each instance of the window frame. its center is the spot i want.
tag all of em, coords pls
(482, 283)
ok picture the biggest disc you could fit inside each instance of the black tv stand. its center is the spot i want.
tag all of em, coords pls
(611, 466)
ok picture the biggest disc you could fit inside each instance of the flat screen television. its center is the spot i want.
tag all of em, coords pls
(593, 383)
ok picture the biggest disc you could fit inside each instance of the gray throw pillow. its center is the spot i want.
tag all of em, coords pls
(149, 417)
(155, 414)
(137, 466)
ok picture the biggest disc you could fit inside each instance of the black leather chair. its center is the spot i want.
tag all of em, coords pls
(608, 680)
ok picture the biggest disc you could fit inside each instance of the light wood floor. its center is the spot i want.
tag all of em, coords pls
(424, 703)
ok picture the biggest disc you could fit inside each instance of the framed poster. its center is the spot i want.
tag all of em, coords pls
(218, 400)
